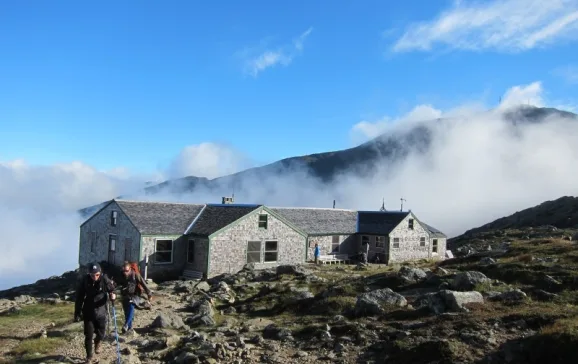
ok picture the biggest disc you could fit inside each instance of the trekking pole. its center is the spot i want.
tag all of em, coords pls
(116, 333)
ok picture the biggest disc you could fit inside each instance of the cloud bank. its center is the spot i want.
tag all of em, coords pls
(500, 25)
(478, 167)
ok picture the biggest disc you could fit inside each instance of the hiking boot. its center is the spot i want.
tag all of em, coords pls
(89, 359)
(124, 329)
(97, 347)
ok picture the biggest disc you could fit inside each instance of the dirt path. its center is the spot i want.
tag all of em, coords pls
(74, 352)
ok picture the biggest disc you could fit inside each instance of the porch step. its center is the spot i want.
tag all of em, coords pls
(192, 274)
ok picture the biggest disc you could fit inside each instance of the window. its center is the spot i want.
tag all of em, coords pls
(270, 251)
(164, 251)
(93, 241)
(263, 221)
(434, 248)
(113, 216)
(253, 252)
(335, 244)
(364, 239)
(422, 241)
(396, 242)
(112, 243)
(380, 241)
(191, 251)
(410, 224)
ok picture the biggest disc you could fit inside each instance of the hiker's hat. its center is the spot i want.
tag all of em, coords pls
(94, 268)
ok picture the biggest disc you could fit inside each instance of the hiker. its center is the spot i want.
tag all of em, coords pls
(92, 295)
(133, 286)
(317, 253)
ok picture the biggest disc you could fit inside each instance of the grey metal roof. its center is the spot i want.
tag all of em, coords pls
(319, 221)
(378, 222)
(216, 217)
(433, 231)
(157, 218)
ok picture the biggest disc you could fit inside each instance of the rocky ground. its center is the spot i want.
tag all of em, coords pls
(516, 304)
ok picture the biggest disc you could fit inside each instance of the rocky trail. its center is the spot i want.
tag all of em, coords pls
(515, 304)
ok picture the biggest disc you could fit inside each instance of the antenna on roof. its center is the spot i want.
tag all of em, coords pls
(382, 209)
(402, 199)
(333, 203)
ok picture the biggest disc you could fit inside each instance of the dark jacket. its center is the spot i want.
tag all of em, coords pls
(131, 286)
(92, 296)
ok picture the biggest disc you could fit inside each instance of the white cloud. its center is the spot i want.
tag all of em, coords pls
(568, 73)
(531, 94)
(505, 26)
(256, 61)
(208, 160)
(523, 95)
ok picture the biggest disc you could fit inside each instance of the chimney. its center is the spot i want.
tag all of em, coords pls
(333, 203)
(227, 200)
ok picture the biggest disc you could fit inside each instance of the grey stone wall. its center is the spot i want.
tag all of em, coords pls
(409, 242)
(201, 255)
(374, 250)
(100, 225)
(162, 271)
(348, 244)
(228, 249)
(442, 246)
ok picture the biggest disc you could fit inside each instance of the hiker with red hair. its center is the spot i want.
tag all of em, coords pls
(133, 286)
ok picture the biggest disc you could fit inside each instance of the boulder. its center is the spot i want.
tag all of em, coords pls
(511, 296)
(411, 275)
(296, 270)
(466, 281)
(448, 301)
(371, 303)
(168, 320)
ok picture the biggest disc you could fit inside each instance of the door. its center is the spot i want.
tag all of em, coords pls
(127, 249)
(111, 248)
(190, 252)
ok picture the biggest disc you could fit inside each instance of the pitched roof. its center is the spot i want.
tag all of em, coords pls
(216, 217)
(319, 221)
(378, 222)
(433, 231)
(156, 218)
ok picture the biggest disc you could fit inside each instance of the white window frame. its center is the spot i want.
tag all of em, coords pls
(333, 244)
(113, 218)
(422, 241)
(380, 241)
(264, 222)
(111, 238)
(164, 251)
(395, 243)
(411, 224)
(265, 251)
(253, 251)
(434, 246)
(189, 252)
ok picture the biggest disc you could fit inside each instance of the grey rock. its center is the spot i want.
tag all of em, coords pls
(465, 281)
(371, 303)
(411, 275)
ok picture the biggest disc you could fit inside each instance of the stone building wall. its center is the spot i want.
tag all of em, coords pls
(409, 242)
(228, 249)
(99, 227)
(348, 244)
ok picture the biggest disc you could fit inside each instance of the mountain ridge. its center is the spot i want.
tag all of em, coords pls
(387, 149)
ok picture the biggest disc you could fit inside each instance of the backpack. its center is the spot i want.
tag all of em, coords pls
(139, 287)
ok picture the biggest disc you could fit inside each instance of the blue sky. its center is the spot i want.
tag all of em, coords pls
(130, 84)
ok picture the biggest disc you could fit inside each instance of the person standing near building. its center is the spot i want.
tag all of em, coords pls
(133, 286)
(317, 253)
(92, 295)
